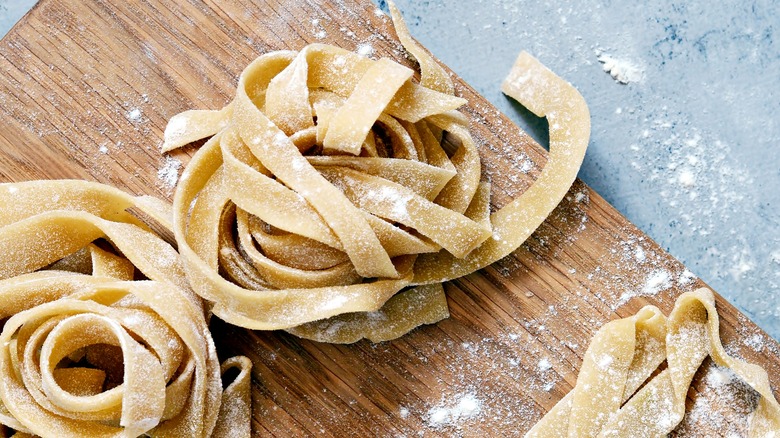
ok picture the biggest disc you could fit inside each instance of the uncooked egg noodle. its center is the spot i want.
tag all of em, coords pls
(617, 395)
(326, 189)
(101, 335)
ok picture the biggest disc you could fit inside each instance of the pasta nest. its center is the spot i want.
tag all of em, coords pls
(332, 181)
(101, 336)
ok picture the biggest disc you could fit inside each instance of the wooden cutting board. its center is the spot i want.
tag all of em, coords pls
(86, 89)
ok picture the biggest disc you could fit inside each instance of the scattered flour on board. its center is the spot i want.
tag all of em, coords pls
(655, 282)
(365, 50)
(134, 115)
(449, 413)
(169, 173)
(621, 70)
(319, 30)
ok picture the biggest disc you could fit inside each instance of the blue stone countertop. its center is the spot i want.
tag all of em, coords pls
(684, 102)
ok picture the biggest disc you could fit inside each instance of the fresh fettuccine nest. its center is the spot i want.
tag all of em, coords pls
(101, 335)
(327, 188)
(618, 393)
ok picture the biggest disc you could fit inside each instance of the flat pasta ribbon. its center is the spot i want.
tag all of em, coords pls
(101, 336)
(332, 182)
(615, 395)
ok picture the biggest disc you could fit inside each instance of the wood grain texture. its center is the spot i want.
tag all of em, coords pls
(73, 75)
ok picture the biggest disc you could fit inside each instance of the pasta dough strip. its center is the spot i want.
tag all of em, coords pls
(624, 353)
(280, 156)
(432, 74)
(424, 179)
(349, 127)
(348, 189)
(268, 309)
(453, 231)
(54, 319)
(406, 310)
(546, 95)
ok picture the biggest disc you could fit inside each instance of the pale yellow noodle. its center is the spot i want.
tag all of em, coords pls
(345, 156)
(624, 354)
(87, 348)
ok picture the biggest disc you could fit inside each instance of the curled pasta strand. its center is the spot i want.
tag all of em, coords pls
(346, 158)
(87, 347)
(607, 400)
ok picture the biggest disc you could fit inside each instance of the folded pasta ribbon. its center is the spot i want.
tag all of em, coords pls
(333, 182)
(101, 336)
(616, 394)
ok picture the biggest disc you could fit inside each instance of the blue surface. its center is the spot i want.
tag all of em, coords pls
(688, 149)
(11, 11)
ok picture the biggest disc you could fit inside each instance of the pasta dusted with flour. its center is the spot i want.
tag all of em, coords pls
(86, 348)
(617, 394)
(328, 187)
